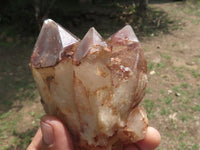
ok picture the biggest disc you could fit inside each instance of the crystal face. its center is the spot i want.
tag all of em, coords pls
(52, 41)
(124, 35)
(87, 45)
(94, 85)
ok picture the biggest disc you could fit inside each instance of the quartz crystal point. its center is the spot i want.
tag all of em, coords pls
(125, 33)
(52, 41)
(90, 43)
(93, 86)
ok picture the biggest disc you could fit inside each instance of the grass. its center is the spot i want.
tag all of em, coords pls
(174, 44)
(196, 21)
(180, 75)
(183, 146)
(149, 106)
(183, 105)
(183, 117)
(165, 111)
(10, 125)
(179, 89)
(17, 86)
(195, 147)
(196, 108)
(185, 85)
(195, 73)
(23, 139)
(193, 9)
(150, 65)
(182, 135)
(165, 56)
(175, 116)
(170, 135)
(166, 100)
(10, 129)
(162, 91)
(148, 90)
(5, 114)
(160, 65)
(15, 73)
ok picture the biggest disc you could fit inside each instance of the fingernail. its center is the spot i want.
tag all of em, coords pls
(47, 133)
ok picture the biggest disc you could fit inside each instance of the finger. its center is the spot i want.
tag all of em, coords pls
(151, 140)
(131, 147)
(55, 135)
(36, 141)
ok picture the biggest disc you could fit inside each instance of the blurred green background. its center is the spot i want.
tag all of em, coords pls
(168, 31)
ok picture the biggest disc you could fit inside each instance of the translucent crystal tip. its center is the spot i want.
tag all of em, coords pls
(50, 44)
(91, 38)
(48, 21)
(126, 33)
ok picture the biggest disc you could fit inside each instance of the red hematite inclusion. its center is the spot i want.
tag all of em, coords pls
(93, 85)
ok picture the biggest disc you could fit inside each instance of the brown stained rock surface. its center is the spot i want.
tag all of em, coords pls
(93, 86)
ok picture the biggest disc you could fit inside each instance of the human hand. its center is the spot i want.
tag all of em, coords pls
(53, 135)
(150, 142)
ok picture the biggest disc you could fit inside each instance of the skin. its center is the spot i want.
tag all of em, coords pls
(60, 138)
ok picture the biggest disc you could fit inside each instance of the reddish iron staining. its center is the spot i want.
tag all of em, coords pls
(34, 60)
(125, 61)
(111, 49)
(133, 46)
(107, 99)
(60, 113)
(68, 52)
(49, 79)
(86, 92)
(75, 101)
(96, 138)
(100, 72)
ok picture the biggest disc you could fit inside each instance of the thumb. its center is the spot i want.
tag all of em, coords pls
(54, 134)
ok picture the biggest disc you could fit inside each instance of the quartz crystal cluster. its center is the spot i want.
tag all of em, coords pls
(93, 85)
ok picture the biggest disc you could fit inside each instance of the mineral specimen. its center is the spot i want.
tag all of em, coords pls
(93, 86)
